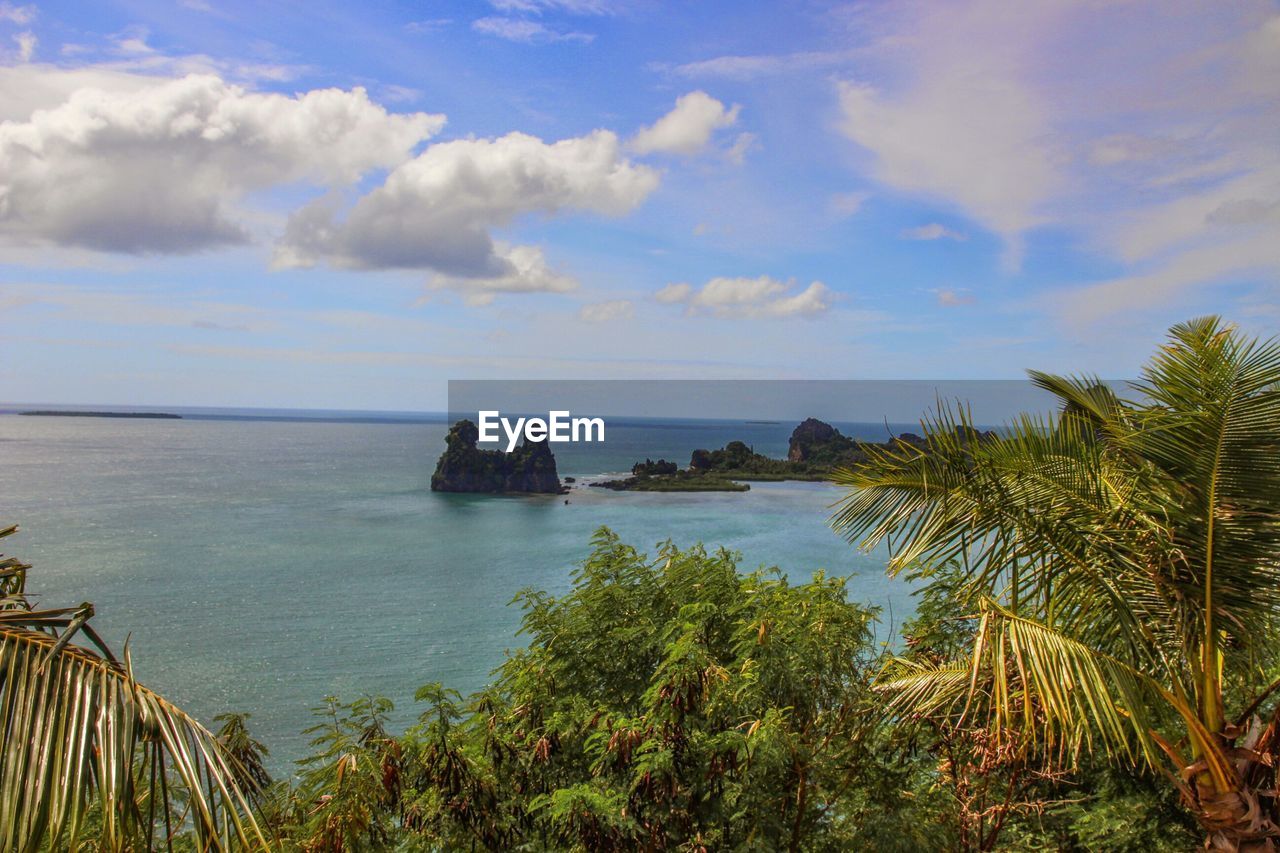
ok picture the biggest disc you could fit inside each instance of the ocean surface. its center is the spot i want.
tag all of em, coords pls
(259, 561)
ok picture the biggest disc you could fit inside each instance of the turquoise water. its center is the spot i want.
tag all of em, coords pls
(260, 565)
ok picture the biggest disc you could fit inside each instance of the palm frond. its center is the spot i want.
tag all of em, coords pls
(81, 739)
(1212, 433)
(79, 731)
(926, 689)
(13, 577)
(1031, 680)
(1038, 517)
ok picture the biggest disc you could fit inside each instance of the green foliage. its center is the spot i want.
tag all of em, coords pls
(679, 481)
(1123, 562)
(247, 754)
(92, 759)
(464, 467)
(648, 468)
(667, 703)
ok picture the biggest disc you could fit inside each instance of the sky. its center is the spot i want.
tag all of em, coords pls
(344, 205)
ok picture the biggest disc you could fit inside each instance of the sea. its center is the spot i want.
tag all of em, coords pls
(261, 560)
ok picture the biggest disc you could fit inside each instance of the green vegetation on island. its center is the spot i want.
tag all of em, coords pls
(464, 467)
(1094, 664)
(664, 476)
(816, 451)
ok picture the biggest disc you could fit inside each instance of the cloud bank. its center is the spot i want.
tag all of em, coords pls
(108, 159)
(164, 167)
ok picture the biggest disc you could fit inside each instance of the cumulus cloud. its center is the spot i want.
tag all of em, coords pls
(607, 312)
(525, 270)
(688, 128)
(436, 211)
(163, 166)
(761, 297)
(934, 231)
(674, 293)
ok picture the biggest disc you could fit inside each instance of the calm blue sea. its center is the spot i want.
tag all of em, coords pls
(259, 561)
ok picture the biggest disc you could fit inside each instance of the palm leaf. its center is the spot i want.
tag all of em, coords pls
(79, 730)
(82, 738)
(1047, 687)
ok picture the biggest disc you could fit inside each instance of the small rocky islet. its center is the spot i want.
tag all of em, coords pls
(464, 467)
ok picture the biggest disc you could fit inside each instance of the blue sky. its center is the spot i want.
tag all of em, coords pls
(344, 205)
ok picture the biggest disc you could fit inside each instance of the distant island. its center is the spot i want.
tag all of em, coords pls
(50, 413)
(464, 467)
(664, 476)
(816, 450)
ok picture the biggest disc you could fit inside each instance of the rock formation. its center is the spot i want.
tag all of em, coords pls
(463, 467)
(819, 442)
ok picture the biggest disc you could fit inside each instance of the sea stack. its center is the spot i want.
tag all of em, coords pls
(464, 467)
(818, 441)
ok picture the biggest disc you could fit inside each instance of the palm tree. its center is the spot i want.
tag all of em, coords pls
(1126, 557)
(89, 756)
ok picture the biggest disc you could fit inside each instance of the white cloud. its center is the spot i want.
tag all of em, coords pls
(26, 46)
(843, 205)
(607, 312)
(427, 25)
(750, 67)
(19, 15)
(23, 90)
(524, 270)
(134, 44)
(687, 129)
(163, 166)
(525, 31)
(1256, 254)
(436, 211)
(761, 297)
(742, 145)
(1121, 148)
(967, 125)
(976, 142)
(674, 293)
(934, 231)
(572, 7)
(1220, 209)
(1144, 128)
